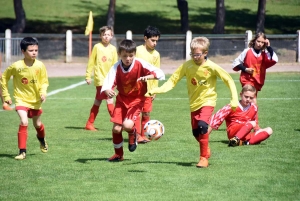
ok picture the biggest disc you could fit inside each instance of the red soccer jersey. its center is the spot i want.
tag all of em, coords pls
(258, 62)
(130, 91)
(239, 116)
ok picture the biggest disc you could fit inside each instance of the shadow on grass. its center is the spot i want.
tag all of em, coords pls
(297, 129)
(85, 160)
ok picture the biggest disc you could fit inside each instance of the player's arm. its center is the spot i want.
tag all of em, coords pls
(109, 81)
(171, 83)
(91, 65)
(217, 119)
(238, 63)
(4, 86)
(227, 79)
(44, 84)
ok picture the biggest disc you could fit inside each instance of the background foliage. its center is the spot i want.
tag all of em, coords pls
(56, 16)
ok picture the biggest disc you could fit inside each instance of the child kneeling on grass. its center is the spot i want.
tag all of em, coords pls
(240, 122)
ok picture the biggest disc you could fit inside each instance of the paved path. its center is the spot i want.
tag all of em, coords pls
(78, 69)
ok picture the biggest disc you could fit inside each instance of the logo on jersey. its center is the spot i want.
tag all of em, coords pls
(104, 59)
(24, 80)
(194, 81)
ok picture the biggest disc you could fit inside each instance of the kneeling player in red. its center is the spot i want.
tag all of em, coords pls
(240, 122)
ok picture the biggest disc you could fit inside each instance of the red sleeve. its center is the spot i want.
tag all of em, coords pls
(218, 118)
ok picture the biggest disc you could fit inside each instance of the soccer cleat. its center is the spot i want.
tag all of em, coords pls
(5, 106)
(44, 147)
(208, 153)
(142, 139)
(234, 142)
(90, 127)
(132, 141)
(116, 158)
(21, 156)
(203, 163)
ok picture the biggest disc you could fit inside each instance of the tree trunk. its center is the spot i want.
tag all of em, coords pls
(111, 13)
(220, 17)
(20, 23)
(261, 12)
(184, 15)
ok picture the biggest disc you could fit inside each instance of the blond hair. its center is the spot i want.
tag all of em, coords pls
(103, 29)
(248, 87)
(200, 42)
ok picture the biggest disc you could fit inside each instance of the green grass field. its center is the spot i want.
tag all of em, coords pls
(56, 16)
(76, 167)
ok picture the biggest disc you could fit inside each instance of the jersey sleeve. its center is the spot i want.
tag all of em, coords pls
(5, 79)
(91, 64)
(227, 79)
(218, 118)
(239, 60)
(171, 83)
(109, 80)
(44, 81)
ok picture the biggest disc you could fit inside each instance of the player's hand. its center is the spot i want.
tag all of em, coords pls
(142, 79)
(249, 70)
(267, 42)
(43, 98)
(9, 102)
(153, 96)
(110, 93)
(88, 81)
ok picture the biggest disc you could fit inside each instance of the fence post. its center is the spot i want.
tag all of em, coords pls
(68, 46)
(129, 35)
(187, 45)
(248, 38)
(8, 46)
(298, 47)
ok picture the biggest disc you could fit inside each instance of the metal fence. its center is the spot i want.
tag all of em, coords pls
(223, 49)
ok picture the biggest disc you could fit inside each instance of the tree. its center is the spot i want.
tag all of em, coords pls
(111, 13)
(260, 20)
(20, 23)
(182, 6)
(220, 17)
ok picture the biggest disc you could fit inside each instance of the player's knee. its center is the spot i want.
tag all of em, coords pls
(202, 127)
(195, 133)
(128, 125)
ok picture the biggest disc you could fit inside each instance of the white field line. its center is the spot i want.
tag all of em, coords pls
(57, 91)
(175, 98)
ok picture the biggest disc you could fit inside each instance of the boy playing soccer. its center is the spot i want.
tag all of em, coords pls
(148, 53)
(103, 56)
(240, 122)
(129, 75)
(201, 75)
(30, 83)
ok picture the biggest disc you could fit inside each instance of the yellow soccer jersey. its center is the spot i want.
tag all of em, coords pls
(201, 83)
(153, 58)
(29, 83)
(100, 61)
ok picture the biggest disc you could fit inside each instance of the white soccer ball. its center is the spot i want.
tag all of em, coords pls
(154, 129)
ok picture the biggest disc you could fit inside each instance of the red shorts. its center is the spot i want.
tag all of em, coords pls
(203, 114)
(232, 130)
(121, 113)
(100, 96)
(30, 112)
(147, 105)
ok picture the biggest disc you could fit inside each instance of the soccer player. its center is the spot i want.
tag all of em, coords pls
(129, 75)
(103, 56)
(240, 122)
(201, 75)
(30, 82)
(148, 53)
(254, 61)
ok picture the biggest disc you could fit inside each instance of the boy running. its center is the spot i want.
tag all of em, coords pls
(30, 83)
(129, 75)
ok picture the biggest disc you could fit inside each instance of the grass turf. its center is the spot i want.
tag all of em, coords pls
(76, 167)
